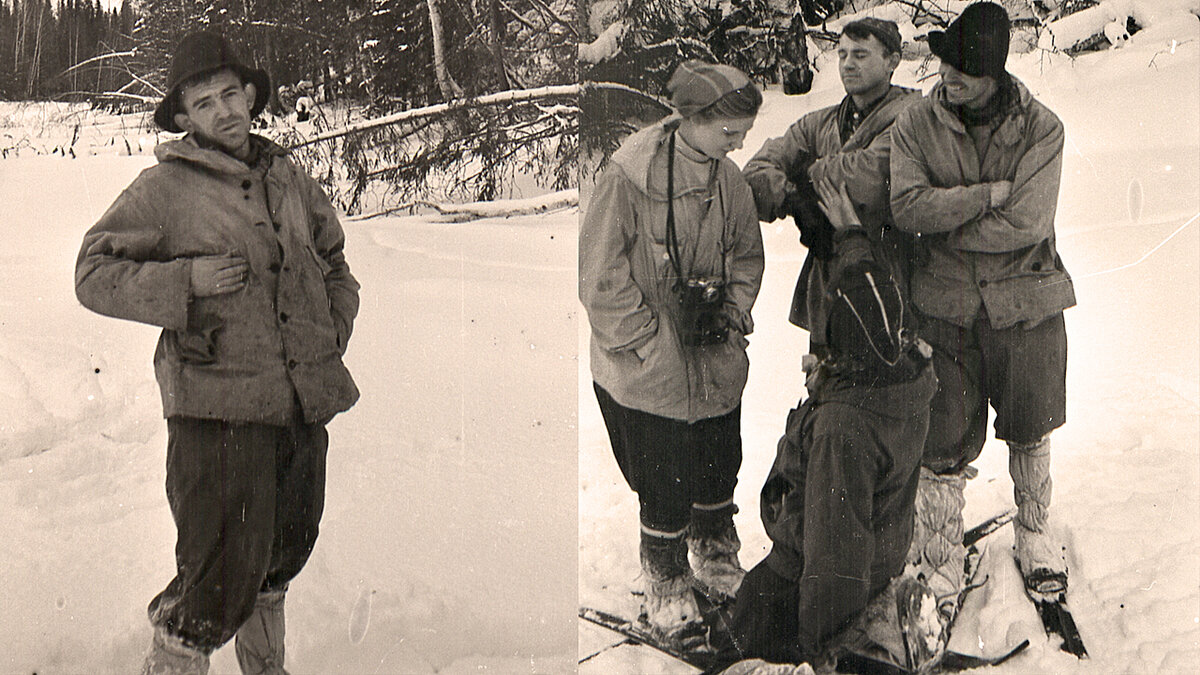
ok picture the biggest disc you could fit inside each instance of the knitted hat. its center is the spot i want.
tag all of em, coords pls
(976, 43)
(695, 85)
(885, 31)
(204, 52)
(867, 317)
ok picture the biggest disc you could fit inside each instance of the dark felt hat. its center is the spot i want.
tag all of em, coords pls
(204, 52)
(976, 43)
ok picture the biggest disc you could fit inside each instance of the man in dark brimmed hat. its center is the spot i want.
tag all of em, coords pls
(846, 144)
(975, 172)
(237, 254)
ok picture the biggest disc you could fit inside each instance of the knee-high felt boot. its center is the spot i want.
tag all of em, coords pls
(259, 641)
(937, 553)
(714, 544)
(1039, 557)
(169, 655)
(669, 605)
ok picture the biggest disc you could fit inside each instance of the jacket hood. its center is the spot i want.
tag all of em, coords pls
(186, 149)
(897, 401)
(636, 156)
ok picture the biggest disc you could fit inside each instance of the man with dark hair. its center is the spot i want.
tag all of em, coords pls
(846, 144)
(237, 254)
(976, 167)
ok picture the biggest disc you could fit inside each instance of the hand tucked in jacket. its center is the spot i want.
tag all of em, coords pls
(217, 274)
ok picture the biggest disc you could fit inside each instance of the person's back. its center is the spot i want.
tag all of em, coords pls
(838, 503)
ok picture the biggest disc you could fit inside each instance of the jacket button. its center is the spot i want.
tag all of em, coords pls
(274, 267)
(292, 364)
(1037, 267)
(246, 197)
(983, 284)
(246, 184)
(283, 317)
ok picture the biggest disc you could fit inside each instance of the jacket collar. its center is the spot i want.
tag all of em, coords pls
(1010, 130)
(188, 150)
(878, 116)
(639, 155)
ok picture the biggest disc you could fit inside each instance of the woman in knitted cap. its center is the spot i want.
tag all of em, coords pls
(670, 262)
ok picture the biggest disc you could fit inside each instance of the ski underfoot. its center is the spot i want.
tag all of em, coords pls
(701, 653)
(1058, 621)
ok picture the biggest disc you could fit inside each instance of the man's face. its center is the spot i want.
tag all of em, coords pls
(218, 109)
(719, 136)
(965, 90)
(865, 65)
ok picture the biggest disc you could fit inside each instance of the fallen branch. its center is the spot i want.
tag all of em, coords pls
(102, 57)
(514, 96)
(480, 210)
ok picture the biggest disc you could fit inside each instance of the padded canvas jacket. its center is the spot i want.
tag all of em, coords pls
(246, 356)
(838, 502)
(1003, 260)
(626, 278)
(861, 163)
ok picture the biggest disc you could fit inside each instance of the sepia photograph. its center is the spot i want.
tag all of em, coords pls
(287, 336)
(614, 337)
(832, 254)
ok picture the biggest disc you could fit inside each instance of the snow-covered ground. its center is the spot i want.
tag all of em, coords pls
(1126, 464)
(449, 535)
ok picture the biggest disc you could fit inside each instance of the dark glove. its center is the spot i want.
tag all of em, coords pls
(802, 204)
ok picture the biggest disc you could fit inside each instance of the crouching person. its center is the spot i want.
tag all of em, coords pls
(838, 502)
(670, 262)
(237, 254)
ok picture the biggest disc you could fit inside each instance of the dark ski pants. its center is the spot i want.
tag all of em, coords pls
(845, 480)
(673, 465)
(247, 500)
(1021, 372)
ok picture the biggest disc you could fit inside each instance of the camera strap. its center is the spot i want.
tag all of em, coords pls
(672, 237)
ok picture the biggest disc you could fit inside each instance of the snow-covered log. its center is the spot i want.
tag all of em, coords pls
(1153, 16)
(500, 208)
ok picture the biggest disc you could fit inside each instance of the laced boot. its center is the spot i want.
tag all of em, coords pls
(169, 655)
(1040, 559)
(669, 605)
(259, 641)
(937, 555)
(714, 544)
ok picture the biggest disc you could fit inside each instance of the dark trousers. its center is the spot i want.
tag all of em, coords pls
(1021, 372)
(671, 464)
(247, 500)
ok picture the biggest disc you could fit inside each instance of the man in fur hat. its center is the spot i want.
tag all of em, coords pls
(237, 254)
(975, 170)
